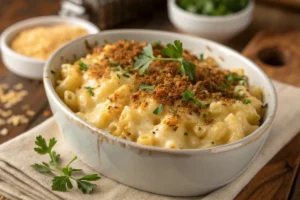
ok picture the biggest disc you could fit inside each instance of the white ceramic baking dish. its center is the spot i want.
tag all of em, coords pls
(158, 170)
(32, 67)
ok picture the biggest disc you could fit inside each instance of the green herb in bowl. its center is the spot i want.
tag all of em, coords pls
(213, 7)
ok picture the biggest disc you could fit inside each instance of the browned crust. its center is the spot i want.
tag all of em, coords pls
(165, 76)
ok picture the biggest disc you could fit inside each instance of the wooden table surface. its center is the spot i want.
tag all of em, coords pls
(274, 181)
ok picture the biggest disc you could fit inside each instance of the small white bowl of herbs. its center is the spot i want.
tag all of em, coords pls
(218, 20)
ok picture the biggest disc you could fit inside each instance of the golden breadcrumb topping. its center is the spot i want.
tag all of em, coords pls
(211, 83)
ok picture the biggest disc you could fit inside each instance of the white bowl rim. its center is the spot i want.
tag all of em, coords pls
(218, 149)
(208, 18)
(91, 28)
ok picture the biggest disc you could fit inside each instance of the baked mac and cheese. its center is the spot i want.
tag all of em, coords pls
(161, 96)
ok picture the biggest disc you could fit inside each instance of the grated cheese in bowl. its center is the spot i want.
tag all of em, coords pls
(41, 42)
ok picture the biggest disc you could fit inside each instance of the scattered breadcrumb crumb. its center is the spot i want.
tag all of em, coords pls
(25, 107)
(30, 113)
(4, 132)
(8, 99)
(12, 97)
(16, 120)
(46, 113)
(18, 86)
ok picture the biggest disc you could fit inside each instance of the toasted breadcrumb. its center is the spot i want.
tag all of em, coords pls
(12, 97)
(46, 113)
(16, 120)
(5, 114)
(25, 107)
(4, 132)
(9, 98)
(30, 113)
(41, 42)
(18, 86)
(168, 82)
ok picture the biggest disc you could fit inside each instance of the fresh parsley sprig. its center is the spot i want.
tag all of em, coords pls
(173, 51)
(118, 68)
(158, 110)
(232, 78)
(188, 95)
(114, 64)
(201, 57)
(246, 101)
(90, 90)
(63, 180)
(82, 66)
(145, 87)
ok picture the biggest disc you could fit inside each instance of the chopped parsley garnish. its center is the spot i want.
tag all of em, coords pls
(119, 68)
(232, 78)
(206, 105)
(156, 44)
(82, 66)
(158, 110)
(246, 101)
(237, 97)
(212, 142)
(90, 90)
(125, 75)
(128, 69)
(149, 88)
(239, 90)
(62, 175)
(201, 58)
(224, 86)
(119, 77)
(173, 51)
(189, 95)
(113, 64)
(185, 133)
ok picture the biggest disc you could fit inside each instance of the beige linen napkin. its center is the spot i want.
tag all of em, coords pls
(19, 181)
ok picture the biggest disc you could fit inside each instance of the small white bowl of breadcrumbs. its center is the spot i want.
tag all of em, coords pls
(26, 45)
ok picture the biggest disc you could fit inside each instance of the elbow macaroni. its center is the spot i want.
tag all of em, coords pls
(110, 108)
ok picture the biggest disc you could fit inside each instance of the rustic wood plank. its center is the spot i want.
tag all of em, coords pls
(44, 114)
(276, 179)
(289, 3)
(295, 194)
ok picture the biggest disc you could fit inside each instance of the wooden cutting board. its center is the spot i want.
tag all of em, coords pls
(278, 54)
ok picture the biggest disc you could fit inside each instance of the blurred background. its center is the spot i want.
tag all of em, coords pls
(149, 14)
